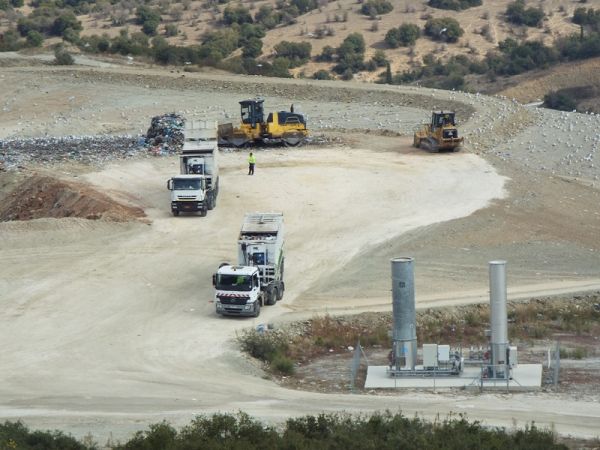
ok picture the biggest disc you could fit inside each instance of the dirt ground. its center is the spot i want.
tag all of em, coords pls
(107, 326)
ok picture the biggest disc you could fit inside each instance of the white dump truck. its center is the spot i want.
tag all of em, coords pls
(257, 279)
(197, 186)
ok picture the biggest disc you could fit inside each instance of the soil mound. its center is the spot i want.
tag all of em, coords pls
(42, 196)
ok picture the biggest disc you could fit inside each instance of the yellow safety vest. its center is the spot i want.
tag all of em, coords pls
(252, 159)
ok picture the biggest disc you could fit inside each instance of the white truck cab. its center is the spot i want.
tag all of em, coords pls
(188, 194)
(237, 290)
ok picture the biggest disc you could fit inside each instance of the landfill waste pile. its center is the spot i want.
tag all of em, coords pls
(165, 135)
(96, 150)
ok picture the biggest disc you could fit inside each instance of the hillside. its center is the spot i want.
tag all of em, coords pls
(310, 38)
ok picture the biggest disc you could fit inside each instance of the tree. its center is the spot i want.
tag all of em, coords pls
(517, 14)
(559, 100)
(405, 35)
(444, 29)
(297, 53)
(171, 30)
(145, 13)
(62, 57)
(453, 4)
(64, 22)
(374, 7)
(351, 54)
(322, 75)
(253, 48)
(236, 14)
(35, 39)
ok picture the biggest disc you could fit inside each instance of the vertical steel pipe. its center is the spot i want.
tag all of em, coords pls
(498, 319)
(404, 313)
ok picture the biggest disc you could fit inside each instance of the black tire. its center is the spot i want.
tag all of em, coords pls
(175, 212)
(203, 212)
(210, 202)
(257, 309)
(270, 300)
(280, 291)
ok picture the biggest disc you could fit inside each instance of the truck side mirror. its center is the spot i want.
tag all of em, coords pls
(170, 185)
(214, 279)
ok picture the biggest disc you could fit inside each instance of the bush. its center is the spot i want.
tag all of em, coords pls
(322, 75)
(149, 28)
(62, 57)
(171, 30)
(405, 35)
(282, 364)
(64, 22)
(34, 39)
(517, 14)
(589, 17)
(237, 14)
(560, 101)
(351, 55)
(15, 435)
(145, 14)
(374, 7)
(253, 48)
(327, 54)
(381, 430)
(444, 29)
(456, 5)
(297, 53)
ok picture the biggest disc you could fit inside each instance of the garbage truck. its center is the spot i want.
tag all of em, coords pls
(257, 278)
(197, 186)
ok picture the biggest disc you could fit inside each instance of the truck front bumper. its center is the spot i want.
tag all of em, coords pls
(235, 310)
(191, 206)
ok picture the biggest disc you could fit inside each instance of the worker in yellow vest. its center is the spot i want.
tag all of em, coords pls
(251, 163)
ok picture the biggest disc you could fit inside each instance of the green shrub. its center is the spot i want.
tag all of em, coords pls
(560, 101)
(456, 5)
(444, 29)
(253, 48)
(171, 30)
(34, 39)
(351, 55)
(263, 346)
(62, 57)
(282, 364)
(322, 75)
(405, 35)
(374, 7)
(517, 13)
(15, 435)
(9, 40)
(589, 17)
(236, 14)
(297, 53)
(145, 14)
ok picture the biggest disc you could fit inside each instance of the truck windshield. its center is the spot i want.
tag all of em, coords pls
(181, 184)
(234, 282)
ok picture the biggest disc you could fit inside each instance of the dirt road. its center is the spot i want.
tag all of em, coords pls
(107, 327)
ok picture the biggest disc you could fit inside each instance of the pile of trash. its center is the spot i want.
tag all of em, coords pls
(165, 135)
(49, 150)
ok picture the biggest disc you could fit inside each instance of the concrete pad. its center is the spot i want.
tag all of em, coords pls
(525, 376)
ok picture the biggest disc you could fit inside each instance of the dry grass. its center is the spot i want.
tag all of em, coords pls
(193, 19)
(462, 326)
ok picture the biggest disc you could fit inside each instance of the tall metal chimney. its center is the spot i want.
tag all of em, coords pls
(403, 307)
(498, 319)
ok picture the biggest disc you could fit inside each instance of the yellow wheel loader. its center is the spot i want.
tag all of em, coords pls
(285, 127)
(439, 135)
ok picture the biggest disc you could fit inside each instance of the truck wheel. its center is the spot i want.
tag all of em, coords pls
(203, 212)
(210, 202)
(270, 297)
(280, 291)
(176, 212)
(256, 309)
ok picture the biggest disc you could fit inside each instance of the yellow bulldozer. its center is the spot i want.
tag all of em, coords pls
(439, 135)
(281, 127)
